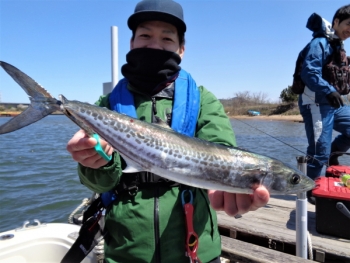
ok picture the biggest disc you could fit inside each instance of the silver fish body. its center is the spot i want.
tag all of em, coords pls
(187, 160)
(162, 151)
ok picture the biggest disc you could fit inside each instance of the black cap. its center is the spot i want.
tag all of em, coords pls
(161, 10)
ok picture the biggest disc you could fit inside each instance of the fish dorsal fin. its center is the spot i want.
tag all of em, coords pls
(161, 123)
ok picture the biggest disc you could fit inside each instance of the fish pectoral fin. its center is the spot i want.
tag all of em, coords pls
(29, 116)
(130, 169)
(131, 166)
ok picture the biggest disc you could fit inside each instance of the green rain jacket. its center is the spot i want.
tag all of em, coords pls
(150, 226)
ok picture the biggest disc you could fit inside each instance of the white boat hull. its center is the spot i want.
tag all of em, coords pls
(42, 243)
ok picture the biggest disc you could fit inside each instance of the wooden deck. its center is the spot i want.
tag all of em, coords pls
(268, 235)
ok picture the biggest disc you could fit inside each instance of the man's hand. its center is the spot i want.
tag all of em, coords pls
(334, 99)
(81, 147)
(234, 204)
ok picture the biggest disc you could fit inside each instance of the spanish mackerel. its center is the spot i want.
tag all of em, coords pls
(160, 150)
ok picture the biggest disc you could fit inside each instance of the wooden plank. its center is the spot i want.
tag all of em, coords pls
(277, 221)
(243, 252)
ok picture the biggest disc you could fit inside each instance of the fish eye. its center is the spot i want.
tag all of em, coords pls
(295, 179)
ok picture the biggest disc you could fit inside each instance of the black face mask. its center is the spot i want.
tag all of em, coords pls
(149, 70)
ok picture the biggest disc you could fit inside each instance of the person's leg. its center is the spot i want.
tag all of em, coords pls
(318, 126)
(342, 125)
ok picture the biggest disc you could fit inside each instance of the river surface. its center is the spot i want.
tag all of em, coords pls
(38, 178)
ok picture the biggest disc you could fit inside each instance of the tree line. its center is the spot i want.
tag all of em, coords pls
(244, 101)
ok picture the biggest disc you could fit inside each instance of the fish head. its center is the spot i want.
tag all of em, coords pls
(287, 180)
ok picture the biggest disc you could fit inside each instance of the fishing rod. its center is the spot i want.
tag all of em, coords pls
(308, 157)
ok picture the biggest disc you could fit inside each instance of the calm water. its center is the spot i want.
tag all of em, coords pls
(38, 178)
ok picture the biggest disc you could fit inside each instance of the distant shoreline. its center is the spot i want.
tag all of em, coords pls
(15, 113)
(294, 118)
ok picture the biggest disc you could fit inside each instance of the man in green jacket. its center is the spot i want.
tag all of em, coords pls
(147, 222)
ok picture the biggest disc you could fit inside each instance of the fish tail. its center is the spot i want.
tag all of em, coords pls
(42, 103)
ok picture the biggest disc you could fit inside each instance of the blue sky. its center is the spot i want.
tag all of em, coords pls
(231, 46)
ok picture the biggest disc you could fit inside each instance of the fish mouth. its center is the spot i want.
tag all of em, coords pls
(305, 188)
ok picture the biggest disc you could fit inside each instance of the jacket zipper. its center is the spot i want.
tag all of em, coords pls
(156, 226)
(156, 200)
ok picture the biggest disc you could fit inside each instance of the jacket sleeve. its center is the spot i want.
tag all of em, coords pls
(213, 124)
(105, 178)
(315, 57)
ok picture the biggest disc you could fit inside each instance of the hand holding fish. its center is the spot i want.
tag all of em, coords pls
(234, 204)
(81, 147)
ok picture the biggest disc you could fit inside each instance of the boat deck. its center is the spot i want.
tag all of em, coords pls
(270, 232)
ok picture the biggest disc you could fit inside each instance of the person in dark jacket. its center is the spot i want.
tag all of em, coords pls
(149, 224)
(321, 104)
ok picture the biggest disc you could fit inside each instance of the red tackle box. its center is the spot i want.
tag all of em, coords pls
(337, 170)
(332, 207)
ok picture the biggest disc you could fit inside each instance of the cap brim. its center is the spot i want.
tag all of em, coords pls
(140, 17)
